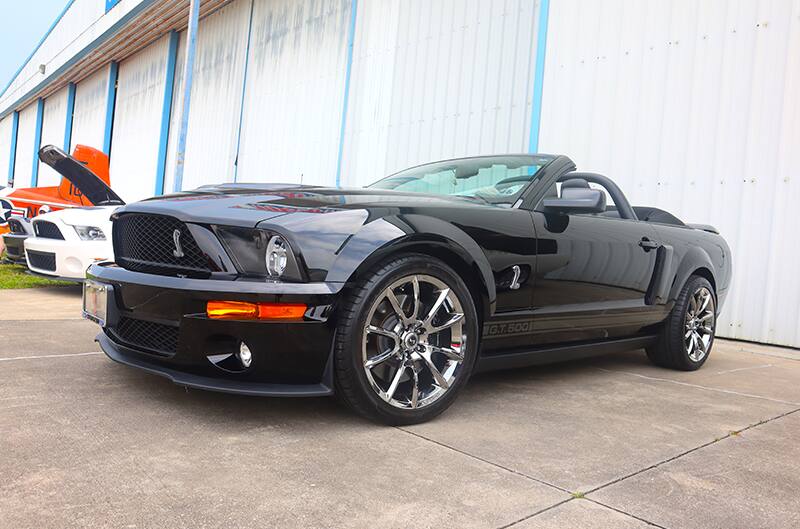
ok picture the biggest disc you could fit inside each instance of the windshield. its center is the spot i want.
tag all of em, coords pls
(494, 179)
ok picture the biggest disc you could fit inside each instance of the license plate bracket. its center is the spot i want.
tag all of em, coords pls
(97, 298)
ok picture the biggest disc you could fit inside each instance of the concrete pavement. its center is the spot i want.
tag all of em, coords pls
(609, 442)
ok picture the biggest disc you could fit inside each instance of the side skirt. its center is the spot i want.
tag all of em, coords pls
(560, 353)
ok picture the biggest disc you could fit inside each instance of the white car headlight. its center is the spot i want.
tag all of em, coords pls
(90, 233)
(276, 256)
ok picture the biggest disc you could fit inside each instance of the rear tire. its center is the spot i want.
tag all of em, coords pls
(687, 335)
(406, 341)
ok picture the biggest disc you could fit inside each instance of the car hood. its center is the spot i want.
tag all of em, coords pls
(94, 216)
(88, 183)
(248, 205)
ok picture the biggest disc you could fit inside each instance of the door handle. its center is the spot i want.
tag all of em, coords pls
(648, 245)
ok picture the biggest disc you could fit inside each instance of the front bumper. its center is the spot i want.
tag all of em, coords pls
(15, 247)
(72, 258)
(158, 324)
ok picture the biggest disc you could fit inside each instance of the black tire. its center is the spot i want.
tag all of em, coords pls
(672, 350)
(352, 384)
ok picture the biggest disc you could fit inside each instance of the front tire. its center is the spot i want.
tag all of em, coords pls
(687, 335)
(406, 341)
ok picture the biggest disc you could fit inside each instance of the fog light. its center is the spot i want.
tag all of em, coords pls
(245, 356)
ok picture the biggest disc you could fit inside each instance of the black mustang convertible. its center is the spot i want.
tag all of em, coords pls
(391, 296)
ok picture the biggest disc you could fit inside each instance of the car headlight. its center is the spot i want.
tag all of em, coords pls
(276, 256)
(90, 233)
(260, 253)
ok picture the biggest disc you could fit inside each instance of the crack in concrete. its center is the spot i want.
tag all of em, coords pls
(482, 460)
(551, 507)
(609, 483)
(526, 476)
(691, 450)
(648, 522)
(537, 513)
(740, 369)
(697, 386)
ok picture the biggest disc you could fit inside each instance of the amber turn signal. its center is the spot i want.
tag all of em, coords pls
(242, 310)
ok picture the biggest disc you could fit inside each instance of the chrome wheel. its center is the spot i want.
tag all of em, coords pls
(413, 341)
(699, 324)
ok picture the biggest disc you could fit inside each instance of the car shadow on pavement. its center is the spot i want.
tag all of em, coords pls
(314, 412)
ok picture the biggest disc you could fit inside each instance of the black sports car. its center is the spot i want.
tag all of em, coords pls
(394, 294)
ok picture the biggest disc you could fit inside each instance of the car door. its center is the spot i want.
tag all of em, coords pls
(592, 275)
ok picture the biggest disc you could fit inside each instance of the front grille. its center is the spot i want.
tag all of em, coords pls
(16, 226)
(147, 335)
(13, 251)
(42, 260)
(147, 243)
(47, 230)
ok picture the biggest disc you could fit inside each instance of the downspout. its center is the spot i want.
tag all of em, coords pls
(351, 35)
(244, 92)
(70, 115)
(166, 111)
(188, 72)
(538, 76)
(37, 142)
(13, 155)
(111, 100)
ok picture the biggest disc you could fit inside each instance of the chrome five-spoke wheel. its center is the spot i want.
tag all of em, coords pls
(699, 324)
(413, 341)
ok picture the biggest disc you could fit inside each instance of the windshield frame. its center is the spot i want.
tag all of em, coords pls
(513, 200)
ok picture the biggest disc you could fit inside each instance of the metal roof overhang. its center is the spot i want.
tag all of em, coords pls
(144, 24)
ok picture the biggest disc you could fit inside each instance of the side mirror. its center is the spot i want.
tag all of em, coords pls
(576, 200)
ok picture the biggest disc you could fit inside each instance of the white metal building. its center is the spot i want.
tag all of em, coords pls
(691, 105)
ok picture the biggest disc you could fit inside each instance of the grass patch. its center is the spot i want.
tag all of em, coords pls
(578, 495)
(17, 276)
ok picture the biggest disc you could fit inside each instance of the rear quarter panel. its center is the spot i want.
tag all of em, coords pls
(696, 249)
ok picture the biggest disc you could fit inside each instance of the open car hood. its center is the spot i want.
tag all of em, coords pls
(90, 186)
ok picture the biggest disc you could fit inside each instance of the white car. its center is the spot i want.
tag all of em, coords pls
(66, 242)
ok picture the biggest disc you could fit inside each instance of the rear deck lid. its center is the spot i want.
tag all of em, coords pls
(88, 183)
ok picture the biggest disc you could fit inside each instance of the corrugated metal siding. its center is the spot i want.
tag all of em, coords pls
(128, 28)
(5, 148)
(53, 123)
(80, 15)
(89, 117)
(137, 120)
(692, 107)
(25, 137)
(435, 80)
(295, 85)
(216, 98)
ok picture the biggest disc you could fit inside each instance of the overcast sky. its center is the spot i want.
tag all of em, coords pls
(24, 24)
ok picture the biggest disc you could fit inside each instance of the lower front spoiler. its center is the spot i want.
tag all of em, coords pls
(56, 278)
(127, 356)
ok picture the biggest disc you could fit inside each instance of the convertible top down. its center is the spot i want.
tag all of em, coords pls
(394, 294)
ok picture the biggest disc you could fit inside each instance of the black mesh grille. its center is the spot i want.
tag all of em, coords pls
(147, 335)
(13, 251)
(47, 230)
(147, 243)
(16, 226)
(42, 260)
